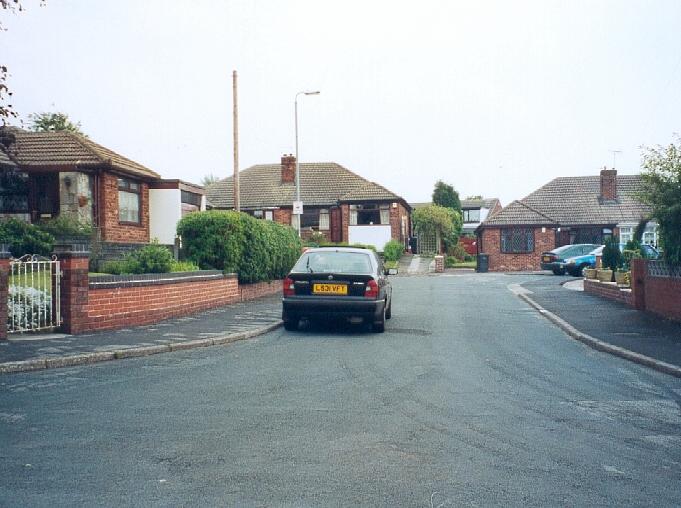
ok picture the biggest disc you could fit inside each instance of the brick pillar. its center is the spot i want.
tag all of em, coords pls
(439, 264)
(4, 288)
(639, 272)
(74, 287)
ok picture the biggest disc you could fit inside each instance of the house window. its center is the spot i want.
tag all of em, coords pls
(258, 214)
(650, 234)
(309, 218)
(369, 215)
(323, 219)
(471, 215)
(269, 215)
(517, 240)
(626, 234)
(128, 201)
(13, 192)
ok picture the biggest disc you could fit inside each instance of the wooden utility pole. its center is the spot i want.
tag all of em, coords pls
(237, 203)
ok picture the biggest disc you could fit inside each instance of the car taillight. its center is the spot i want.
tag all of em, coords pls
(289, 287)
(371, 290)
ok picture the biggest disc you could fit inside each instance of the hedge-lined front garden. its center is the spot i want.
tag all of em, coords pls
(255, 249)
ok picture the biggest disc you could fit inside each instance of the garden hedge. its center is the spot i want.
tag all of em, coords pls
(234, 242)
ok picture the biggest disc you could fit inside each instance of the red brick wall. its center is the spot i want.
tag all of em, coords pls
(251, 291)
(501, 262)
(608, 290)
(663, 296)
(121, 307)
(111, 229)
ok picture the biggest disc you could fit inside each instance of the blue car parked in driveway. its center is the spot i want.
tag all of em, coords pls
(575, 265)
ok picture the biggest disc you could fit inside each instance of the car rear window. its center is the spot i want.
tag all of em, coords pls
(334, 262)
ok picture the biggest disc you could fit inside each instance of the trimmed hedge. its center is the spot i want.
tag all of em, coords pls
(234, 242)
(24, 238)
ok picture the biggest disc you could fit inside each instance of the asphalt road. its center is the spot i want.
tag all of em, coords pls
(470, 398)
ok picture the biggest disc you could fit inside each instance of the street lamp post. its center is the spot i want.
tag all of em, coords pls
(297, 156)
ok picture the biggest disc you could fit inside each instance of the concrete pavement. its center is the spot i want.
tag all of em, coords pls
(607, 325)
(217, 326)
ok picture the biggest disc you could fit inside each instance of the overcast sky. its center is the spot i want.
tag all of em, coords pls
(496, 98)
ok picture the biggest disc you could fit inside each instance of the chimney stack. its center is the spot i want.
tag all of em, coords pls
(608, 184)
(288, 168)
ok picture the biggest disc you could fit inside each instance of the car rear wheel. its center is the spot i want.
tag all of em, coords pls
(389, 312)
(379, 326)
(291, 325)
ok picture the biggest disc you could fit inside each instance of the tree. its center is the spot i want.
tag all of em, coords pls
(50, 122)
(209, 179)
(438, 220)
(662, 191)
(6, 109)
(445, 195)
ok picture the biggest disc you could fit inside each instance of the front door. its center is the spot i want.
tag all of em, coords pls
(44, 196)
(336, 225)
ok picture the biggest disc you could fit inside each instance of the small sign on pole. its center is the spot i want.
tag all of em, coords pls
(297, 208)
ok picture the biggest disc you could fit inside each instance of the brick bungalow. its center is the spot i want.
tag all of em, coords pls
(47, 174)
(567, 210)
(337, 203)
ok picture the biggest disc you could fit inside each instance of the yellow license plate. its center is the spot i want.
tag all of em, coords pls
(330, 289)
(546, 259)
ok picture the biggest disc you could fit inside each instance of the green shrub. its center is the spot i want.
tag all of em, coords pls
(24, 238)
(255, 249)
(66, 226)
(124, 266)
(152, 258)
(457, 251)
(213, 239)
(628, 255)
(393, 250)
(612, 256)
(317, 237)
(183, 266)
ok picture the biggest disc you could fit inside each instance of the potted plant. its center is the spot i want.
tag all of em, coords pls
(612, 260)
(590, 273)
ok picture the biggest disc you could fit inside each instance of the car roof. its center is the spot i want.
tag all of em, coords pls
(334, 248)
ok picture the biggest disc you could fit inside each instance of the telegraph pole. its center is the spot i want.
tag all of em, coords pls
(235, 119)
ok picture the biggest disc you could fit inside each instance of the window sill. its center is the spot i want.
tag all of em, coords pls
(134, 224)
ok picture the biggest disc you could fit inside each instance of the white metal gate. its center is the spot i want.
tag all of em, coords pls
(34, 294)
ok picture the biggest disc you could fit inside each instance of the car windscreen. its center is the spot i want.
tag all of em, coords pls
(562, 250)
(334, 262)
(597, 251)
